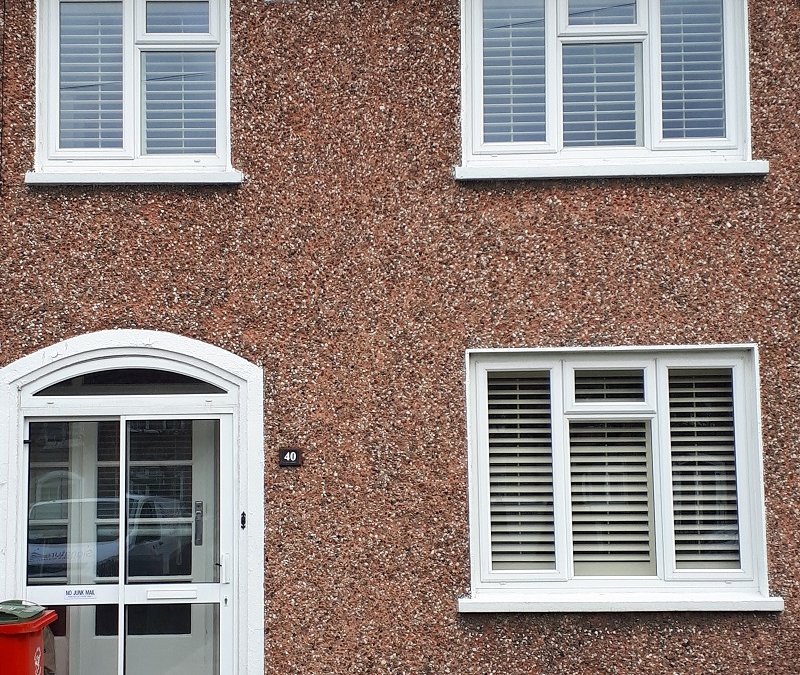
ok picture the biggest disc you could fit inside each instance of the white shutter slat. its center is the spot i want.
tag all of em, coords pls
(692, 69)
(521, 471)
(600, 92)
(609, 385)
(703, 481)
(177, 17)
(90, 75)
(513, 71)
(611, 497)
(601, 12)
(179, 102)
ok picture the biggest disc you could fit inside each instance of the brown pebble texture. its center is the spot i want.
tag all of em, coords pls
(356, 271)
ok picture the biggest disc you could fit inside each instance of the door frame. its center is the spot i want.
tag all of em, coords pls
(243, 382)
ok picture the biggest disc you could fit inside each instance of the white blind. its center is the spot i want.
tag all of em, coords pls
(611, 486)
(513, 71)
(692, 69)
(600, 93)
(521, 471)
(179, 102)
(177, 17)
(90, 75)
(703, 468)
(609, 385)
(601, 12)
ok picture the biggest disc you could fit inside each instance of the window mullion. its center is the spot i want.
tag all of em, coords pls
(652, 51)
(562, 514)
(555, 79)
(122, 555)
(130, 87)
(662, 479)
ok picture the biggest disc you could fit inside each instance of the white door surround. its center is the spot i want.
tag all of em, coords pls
(115, 349)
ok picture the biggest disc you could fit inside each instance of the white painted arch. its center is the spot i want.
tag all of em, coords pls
(110, 349)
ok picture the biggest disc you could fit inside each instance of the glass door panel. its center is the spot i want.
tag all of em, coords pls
(73, 516)
(82, 641)
(173, 501)
(172, 639)
(172, 604)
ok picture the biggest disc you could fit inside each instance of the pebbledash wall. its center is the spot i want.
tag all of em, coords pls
(356, 271)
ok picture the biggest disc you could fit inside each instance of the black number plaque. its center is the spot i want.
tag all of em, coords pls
(289, 457)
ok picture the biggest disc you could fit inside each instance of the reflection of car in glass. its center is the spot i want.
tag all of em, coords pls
(155, 547)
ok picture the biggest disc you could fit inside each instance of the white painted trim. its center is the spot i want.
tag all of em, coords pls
(121, 176)
(619, 602)
(745, 346)
(608, 168)
(171, 352)
(669, 589)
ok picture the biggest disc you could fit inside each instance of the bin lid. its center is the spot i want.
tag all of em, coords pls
(17, 611)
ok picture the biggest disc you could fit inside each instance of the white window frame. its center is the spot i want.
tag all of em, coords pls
(243, 403)
(656, 156)
(558, 590)
(129, 164)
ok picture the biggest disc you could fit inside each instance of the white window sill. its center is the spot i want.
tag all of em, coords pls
(164, 177)
(620, 601)
(608, 169)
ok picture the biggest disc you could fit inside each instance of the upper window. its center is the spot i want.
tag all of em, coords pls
(133, 90)
(613, 481)
(594, 87)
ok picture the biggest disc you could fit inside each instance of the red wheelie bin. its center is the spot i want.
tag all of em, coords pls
(21, 640)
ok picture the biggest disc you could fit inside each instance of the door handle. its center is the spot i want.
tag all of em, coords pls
(198, 523)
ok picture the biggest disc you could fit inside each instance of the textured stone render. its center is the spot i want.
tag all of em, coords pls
(355, 270)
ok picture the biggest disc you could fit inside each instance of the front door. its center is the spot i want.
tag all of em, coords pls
(157, 598)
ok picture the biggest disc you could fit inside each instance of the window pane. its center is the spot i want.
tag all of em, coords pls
(521, 471)
(90, 75)
(177, 17)
(513, 71)
(173, 501)
(84, 641)
(609, 385)
(601, 83)
(73, 533)
(611, 484)
(179, 102)
(692, 69)
(127, 381)
(703, 469)
(172, 639)
(601, 12)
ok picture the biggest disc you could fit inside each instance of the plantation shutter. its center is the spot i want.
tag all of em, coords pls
(611, 496)
(601, 12)
(601, 86)
(692, 69)
(607, 386)
(513, 71)
(90, 75)
(177, 17)
(703, 468)
(179, 102)
(521, 471)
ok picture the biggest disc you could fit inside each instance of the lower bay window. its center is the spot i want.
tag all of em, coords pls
(616, 480)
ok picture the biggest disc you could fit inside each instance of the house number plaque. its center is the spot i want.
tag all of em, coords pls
(289, 457)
